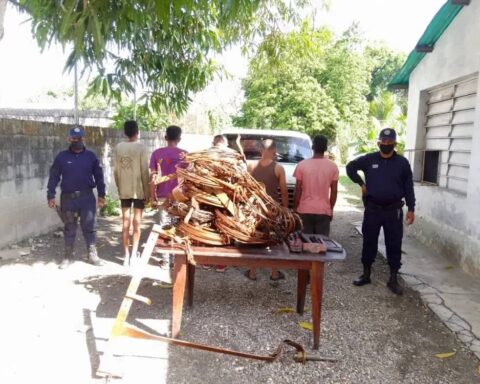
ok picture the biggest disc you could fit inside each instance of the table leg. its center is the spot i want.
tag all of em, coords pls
(179, 280)
(302, 280)
(317, 296)
(190, 283)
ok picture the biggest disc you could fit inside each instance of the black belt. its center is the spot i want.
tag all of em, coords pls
(76, 194)
(385, 207)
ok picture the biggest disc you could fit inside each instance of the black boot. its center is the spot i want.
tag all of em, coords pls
(93, 256)
(68, 258)
(365, 278)
(393, 283)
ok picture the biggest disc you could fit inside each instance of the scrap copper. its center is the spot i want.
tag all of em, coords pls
(218, 202)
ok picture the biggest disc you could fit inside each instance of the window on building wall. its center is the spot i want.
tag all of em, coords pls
(430, 167)
(449, 122)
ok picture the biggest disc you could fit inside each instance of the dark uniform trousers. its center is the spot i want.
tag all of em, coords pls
(84, 207)
(391, 219)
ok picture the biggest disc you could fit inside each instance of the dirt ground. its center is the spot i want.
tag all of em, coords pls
(55, 324)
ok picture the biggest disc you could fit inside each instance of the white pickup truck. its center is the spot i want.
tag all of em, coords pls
(292, 147)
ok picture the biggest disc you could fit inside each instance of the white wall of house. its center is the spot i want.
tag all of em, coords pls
(447, 220)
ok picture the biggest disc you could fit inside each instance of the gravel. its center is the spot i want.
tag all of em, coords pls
(375, 336)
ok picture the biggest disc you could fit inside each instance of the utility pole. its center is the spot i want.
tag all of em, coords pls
(75, 92)
(134, 103)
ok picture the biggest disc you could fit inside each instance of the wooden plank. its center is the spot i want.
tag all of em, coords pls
(108, 366)
(302, 281)
(190, 283)
(279, 252)
(180, 276)
(316, 285)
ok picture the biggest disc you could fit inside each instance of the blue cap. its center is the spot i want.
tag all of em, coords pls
(76, 131)
(388, 133)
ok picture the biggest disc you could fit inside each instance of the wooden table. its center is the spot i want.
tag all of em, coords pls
(277, 256)
(184, 274)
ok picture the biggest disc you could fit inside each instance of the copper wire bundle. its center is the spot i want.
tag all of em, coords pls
(218, 202)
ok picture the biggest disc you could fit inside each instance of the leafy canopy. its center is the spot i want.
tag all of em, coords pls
(162, 46)
(307, 80)
(147, 121)
(384, 64)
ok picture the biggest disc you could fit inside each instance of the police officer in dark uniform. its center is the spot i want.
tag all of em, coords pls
(79, 171)
(388, 180)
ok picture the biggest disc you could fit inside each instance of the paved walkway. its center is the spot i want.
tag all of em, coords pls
(452, 294)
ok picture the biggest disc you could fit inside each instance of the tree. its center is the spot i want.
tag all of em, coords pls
(384, 64)
(308, 80)
(146, 120)
(161, 46)
(385, 110)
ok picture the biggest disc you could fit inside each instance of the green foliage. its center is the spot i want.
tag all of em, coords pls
(309, 81)
(162, 46)
(147, 120)
(315, 82)
(95, 103)
(385, 110)
(384, 64)
(111, 207)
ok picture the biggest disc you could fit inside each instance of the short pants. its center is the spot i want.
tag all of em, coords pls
(316, 224)
(137, 203)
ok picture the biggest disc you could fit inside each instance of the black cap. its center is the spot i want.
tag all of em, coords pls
(388, 133)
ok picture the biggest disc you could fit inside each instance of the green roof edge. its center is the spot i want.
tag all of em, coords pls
(433, 32)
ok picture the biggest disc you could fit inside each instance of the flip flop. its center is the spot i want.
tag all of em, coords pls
(247, 275)
(281, 276)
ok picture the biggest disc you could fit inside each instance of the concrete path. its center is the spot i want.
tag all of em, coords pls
(452, 294)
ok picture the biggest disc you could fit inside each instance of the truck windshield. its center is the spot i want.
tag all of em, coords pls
(289, 149)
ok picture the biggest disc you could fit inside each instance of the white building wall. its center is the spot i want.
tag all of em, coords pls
(448, 221)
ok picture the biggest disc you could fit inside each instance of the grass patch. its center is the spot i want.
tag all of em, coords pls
(348, 190)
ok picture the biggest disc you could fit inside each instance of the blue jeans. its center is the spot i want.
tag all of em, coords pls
(85, 209)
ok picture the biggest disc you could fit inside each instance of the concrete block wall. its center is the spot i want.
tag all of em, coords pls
(27, 150)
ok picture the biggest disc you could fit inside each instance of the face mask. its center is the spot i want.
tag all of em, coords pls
(77, 145)
(386, 149)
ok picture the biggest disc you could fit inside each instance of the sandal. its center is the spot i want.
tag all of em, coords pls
(281, 276)
(247, 275)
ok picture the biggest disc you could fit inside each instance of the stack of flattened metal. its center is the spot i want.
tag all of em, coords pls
(218, 202)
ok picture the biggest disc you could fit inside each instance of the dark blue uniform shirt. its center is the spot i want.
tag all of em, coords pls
(388, 180)
(77, 171)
